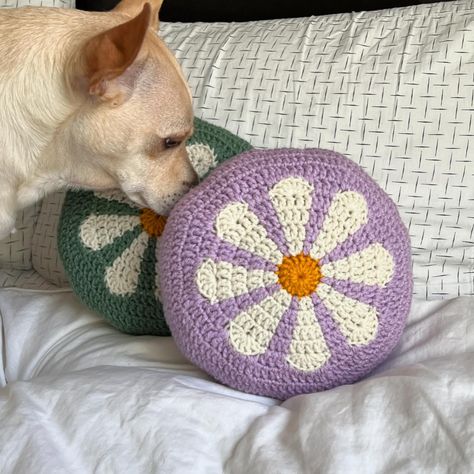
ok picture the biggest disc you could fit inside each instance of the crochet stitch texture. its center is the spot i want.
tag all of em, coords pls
(287, 272)
(108, 245)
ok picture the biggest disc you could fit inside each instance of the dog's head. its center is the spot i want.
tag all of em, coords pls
(131, 130)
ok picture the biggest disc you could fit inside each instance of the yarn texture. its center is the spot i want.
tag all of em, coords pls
(286, 272)
(108, 244)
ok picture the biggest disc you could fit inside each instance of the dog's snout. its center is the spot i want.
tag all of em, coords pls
(192, 180)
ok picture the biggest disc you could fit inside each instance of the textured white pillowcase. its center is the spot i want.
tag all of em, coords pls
(393, 90)
(45, 253)
(15, 250)
(37, 3)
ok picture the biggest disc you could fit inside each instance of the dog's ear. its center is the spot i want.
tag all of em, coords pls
(132, 7)
(109, 55)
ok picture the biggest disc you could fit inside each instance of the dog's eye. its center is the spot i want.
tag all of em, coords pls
(171, 143)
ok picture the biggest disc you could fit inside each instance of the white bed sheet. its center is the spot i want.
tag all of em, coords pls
(82, 398)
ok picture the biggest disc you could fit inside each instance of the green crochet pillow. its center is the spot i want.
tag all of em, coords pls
(108, 244)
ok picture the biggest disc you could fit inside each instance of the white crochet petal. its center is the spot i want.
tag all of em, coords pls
(292, 198)
(308, 349)
(346, 215)
(252, 330)
(122, 276)
(357, 321)
(372, 266)
(97, 231)
(219, 281)
(238, 225)
(202, 157)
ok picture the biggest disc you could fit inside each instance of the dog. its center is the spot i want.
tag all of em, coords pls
(93, 101)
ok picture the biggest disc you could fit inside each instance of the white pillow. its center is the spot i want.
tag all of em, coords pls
(15, 250)
(45, 255)
(393, 90)
(37, 3)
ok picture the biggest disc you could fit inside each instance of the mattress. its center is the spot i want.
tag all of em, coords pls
(84, 398)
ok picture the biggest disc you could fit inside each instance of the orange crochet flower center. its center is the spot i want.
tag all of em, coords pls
(299, 275)
(152, 223)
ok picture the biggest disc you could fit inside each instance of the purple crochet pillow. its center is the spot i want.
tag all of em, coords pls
(286, 272)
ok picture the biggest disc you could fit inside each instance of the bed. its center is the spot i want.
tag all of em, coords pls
(394, 91)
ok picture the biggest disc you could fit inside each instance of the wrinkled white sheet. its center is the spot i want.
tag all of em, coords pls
(79, 397)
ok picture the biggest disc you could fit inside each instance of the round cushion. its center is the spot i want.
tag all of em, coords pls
(286, 272)
(108, 244)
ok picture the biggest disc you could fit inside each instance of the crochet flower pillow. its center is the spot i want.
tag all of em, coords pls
(286, 272)
(108, 244)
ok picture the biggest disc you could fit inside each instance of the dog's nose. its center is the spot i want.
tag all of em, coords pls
(193, 179)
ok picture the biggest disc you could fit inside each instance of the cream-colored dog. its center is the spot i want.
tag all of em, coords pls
(90, 100)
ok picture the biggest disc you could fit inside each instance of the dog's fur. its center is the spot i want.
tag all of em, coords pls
(90, 100)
